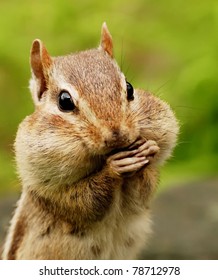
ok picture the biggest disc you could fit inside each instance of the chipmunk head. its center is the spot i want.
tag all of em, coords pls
(87, 92)
(82, 111)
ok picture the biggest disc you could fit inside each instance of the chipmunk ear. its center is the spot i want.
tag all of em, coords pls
(106, 40)
(40, 61)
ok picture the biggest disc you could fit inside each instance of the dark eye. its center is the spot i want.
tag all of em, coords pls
(66, 102)
(130, 91)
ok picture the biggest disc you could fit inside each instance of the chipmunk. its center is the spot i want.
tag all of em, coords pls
(88, 159)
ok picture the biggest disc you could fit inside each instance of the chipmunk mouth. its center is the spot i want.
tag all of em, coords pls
(130, 146)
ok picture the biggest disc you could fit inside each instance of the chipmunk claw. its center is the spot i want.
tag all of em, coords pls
(132, 160)
(127, 164)
(148, 149)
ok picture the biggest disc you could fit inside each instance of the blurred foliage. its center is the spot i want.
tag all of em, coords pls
(165, 46)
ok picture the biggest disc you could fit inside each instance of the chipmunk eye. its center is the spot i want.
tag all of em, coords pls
(130, 91)
(65, 102)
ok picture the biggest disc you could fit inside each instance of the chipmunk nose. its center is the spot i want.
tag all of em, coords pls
(117, 139)
(115, 133)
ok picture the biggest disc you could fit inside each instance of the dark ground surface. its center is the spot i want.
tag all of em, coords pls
(185, 222)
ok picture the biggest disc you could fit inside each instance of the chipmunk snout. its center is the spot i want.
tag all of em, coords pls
(117, 139)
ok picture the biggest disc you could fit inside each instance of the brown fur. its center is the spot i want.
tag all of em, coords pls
(18, 236)
(88, 175)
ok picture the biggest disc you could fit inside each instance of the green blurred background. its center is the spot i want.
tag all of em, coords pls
(164, 46)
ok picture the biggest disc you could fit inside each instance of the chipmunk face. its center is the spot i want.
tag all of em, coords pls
(82, 113)
(90, 90)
